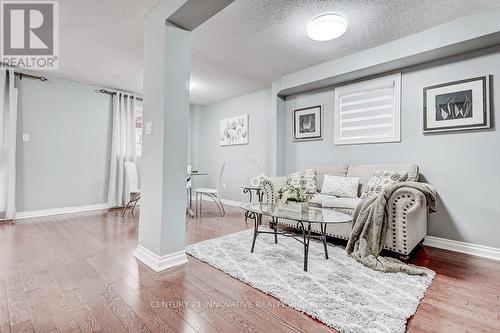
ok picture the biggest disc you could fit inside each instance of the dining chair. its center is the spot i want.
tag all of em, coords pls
(132, 185)
(214, 194)
(189, 187)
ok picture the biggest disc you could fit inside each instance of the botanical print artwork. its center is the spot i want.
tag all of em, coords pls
(234, 131)
(457, 106)
(454, 105)
(307, 124)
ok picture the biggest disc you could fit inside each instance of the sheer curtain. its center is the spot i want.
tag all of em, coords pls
(122, 147)
(8, 123)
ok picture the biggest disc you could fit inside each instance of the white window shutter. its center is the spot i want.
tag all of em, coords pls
(369, 111)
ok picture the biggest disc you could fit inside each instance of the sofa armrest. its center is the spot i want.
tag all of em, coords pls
(414, 198)
(270, 187)
(407, 216)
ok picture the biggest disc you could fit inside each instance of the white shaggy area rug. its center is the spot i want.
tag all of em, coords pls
(339, 292)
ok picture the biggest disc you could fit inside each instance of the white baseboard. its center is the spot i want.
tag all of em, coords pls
(462, 247)
(160, 263)
(233, 203)
(57, 211)
(228, 202)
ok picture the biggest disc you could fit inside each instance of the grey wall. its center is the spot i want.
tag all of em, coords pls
(208, 155)
(463, 167)
(66, 162)
(195, 135)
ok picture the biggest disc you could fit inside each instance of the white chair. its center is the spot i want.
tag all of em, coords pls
(214, 194)
(132, 185)
(189, 188)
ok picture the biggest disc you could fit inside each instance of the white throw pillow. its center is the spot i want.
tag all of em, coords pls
(346, 187)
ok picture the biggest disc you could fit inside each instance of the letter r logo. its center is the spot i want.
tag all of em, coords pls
(28, 28)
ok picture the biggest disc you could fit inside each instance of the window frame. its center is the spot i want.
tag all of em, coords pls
(368, 85)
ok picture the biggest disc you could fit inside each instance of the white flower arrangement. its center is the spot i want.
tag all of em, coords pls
(293, 193)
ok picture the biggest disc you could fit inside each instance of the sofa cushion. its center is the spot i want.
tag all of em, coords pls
(324, 169)
(382, 179)
(294, 179)
(306, 179)
(318, 199)
(342, 203)
(346, 187)
(365, 172)
(310, 183)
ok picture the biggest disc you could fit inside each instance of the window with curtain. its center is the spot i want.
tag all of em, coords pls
(138, 129)
(8, 126)
(368, 111)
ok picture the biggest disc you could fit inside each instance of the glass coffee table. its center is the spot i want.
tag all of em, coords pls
(304, 220)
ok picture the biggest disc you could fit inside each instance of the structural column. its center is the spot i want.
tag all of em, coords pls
(278, 131)
(167, 54)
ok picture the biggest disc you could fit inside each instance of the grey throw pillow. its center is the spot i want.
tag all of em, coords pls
(305, 179)
(382, 179)
(294, 179)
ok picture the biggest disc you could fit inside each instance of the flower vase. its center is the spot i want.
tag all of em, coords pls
(294, 206)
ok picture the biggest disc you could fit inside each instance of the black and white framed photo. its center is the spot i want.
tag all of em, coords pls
(307, 124)
(457, 106)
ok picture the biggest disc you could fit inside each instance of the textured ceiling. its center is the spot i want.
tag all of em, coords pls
(101, 42)
(243, 48)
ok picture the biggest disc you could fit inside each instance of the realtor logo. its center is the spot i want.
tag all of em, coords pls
(30, 34)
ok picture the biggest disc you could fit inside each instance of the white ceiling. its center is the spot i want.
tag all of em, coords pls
(241, 49)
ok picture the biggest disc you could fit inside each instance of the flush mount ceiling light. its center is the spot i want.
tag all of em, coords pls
(326, 27)
(192, 85)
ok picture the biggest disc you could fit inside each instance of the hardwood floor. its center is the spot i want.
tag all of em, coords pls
(76, 273)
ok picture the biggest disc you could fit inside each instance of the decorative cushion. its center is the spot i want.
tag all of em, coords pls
(294, 179)
(382, 179)
(346, 187)
(305, 179)
(329, 169)
(309, 184)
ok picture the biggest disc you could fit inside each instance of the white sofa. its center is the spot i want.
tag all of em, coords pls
(407, 208)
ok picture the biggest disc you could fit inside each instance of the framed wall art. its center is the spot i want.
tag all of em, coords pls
(307, 123)
(457, 106)
(234, 131)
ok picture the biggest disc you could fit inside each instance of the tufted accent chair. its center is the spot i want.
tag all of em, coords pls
(406, 208)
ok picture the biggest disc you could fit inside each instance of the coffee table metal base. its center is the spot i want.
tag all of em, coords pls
(304, 227)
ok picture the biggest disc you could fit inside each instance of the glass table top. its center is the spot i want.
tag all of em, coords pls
(250, 187)
(312, 214)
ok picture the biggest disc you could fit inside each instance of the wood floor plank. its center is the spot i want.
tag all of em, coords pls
(103, 313)
(142, 310)
(247, 311)
(19, 311)
(84, 315)
(227, 321)
(120, 309)
(77, 273)
(23, 327)
(151, 291)
(4, 316)
(64, 319)
(40, 312)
